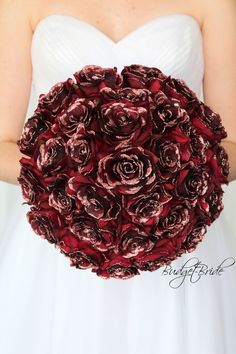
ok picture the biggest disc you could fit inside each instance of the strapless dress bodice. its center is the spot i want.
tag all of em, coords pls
(61, 45)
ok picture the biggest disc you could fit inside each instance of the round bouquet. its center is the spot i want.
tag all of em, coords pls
(123, 171)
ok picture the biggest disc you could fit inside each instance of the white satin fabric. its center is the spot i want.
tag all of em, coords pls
(48, 307)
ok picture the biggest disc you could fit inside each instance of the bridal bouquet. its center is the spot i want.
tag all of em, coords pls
(124, 170)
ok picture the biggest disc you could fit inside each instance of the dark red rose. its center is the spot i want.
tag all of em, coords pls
(107, 94)
(119, 267)
(29, 180)
(127, 170)
(191, 183)
(152, 265)
(87, 229)
(59, 200)
(163, 251)
(45, 223)
(208, 123)
(192, 146)
(210, 205)
(78, 111)
(218, 164)
(134, 241)
(139, 97)
(82, 150)
(169, 158)
(223, 162)
(97, 202)
(52, 157)
(135, 95)
(141, 76)
(167, 113)
(146, 208)
(58, 97)
(123, 122)
(172, 220)
(194, 237)
(81, 254)
(32, 130)
(178, 89)
(92, 78)
(198, 146)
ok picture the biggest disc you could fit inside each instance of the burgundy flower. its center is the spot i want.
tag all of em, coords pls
(197, 146)
(119, 267)
(52, 156)
(208, 123)
(81, 254)
(178, 89)
(135, 95)
(167, 113)
(79, 110)
(87, 229)
(147, 208)
(32, 130)
(211, 204)
(97, 202)
(124, 123)
(160, 255)
(45, 223)
(192, 183)
(81, 149)
(140, 76)
(194, 237)
(223, 163)
(91, 78)
(172, 221)
(29, 180)
(169, 158)
(58, 97)
(127, 170)
(59, 200)
(134, 241)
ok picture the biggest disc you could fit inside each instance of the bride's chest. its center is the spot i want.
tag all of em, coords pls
(63, 44)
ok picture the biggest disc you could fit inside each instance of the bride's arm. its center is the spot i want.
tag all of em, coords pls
(219, 84)
(15, 74)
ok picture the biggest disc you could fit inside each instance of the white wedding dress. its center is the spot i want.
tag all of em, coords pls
(48, 307)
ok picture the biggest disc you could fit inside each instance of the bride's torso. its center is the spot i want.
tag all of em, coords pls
(66, 38)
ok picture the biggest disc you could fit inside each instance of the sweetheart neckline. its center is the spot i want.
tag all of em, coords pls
(143, 26)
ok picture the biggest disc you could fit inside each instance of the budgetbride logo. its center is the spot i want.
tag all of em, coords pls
(193, 270)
